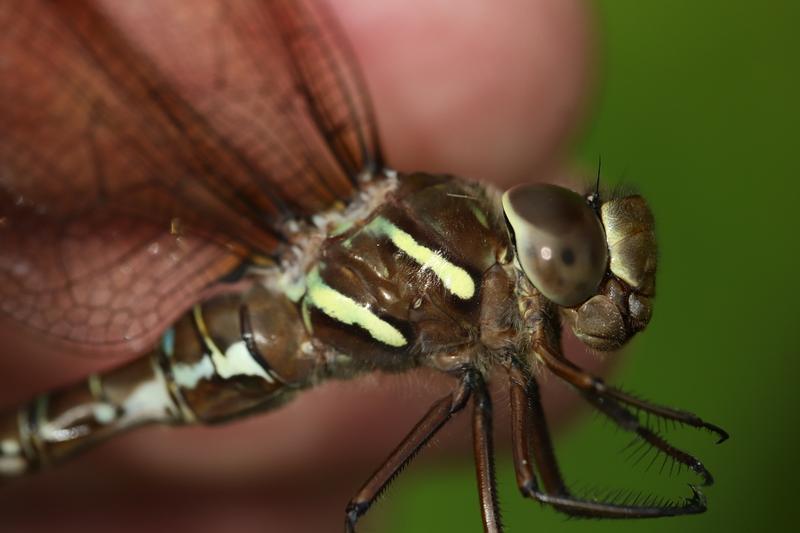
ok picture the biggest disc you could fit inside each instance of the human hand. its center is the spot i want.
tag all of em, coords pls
(467, 88)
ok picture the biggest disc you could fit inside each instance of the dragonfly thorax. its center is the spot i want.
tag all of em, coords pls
(407, 281)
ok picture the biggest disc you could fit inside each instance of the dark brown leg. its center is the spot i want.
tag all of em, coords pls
(608, 401)
(527, 416)
(584, 381)
(526, 411)
(667, 413)
(484, 456)
(628, 421)
(438, 415)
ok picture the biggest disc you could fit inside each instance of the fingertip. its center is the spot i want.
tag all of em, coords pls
(470, 88)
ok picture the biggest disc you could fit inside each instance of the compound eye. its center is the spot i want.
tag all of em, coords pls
(559, 239)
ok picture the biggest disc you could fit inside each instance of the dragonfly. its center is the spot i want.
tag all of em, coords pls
(245, 265)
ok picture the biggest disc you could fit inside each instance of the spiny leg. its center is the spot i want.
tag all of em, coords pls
(667, 413)
(588, 383)
(604, 398)
(484, 456)
(529, 427)
(628, 421)
(436, 417)
(526, 410)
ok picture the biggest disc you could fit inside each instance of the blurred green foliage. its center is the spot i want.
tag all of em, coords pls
(699, 106)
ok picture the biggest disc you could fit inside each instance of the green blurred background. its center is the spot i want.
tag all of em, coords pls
(698, 107)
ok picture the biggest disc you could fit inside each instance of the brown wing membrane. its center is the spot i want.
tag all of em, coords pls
(333, 86)
(147, 149)
(111, 281)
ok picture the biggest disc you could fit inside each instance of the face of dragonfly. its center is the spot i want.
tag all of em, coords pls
(597, 264)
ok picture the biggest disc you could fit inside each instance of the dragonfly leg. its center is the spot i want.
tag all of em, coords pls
(484, 457)
(596, 387)
(668, 413)
(629, 421)
(526, 410)
(530, 433)
(436, 417)
(593, 385)
(612, 402)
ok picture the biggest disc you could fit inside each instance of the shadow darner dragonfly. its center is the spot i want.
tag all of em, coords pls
(249, 264)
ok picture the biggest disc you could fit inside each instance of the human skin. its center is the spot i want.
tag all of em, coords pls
(466, 88)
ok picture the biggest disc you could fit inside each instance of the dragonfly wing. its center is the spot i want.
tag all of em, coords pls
(149, 149)
(106, 284)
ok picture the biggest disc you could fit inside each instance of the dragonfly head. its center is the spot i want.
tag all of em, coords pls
(597, 260)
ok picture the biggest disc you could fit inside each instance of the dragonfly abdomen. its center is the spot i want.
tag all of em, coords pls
(224, 358)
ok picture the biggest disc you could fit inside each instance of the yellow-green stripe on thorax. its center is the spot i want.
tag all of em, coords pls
(346, 310)
(454, 278)
(343, 308)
